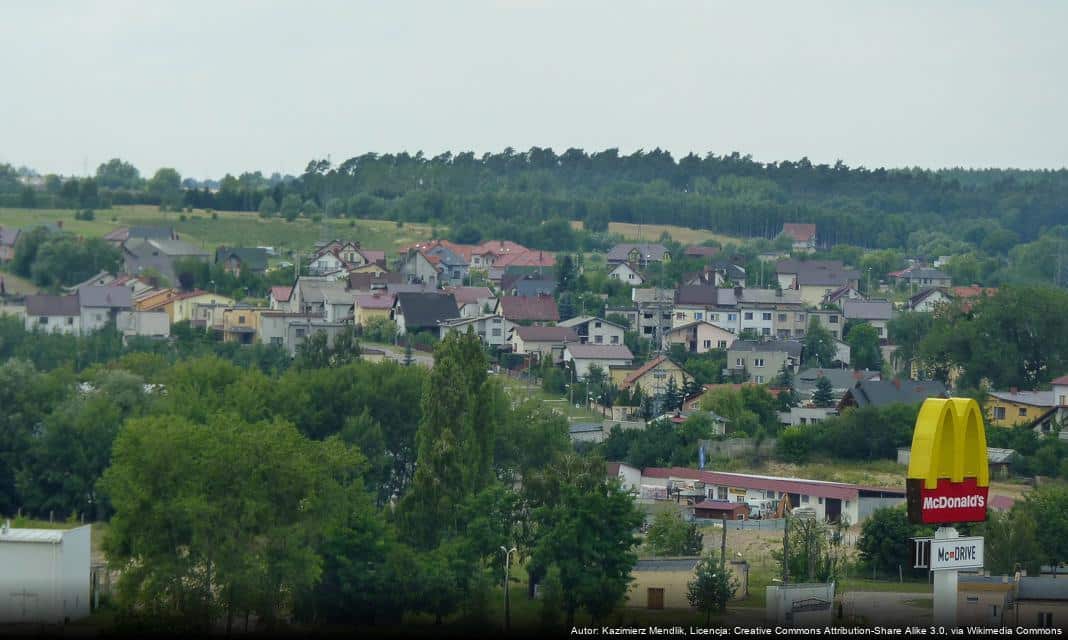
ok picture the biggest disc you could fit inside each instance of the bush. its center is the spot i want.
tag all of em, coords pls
(214, 216)
(182, 218)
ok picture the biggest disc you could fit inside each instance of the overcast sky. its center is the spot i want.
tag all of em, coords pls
(220, 86)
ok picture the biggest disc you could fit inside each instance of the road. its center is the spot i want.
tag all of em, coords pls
(887, 607)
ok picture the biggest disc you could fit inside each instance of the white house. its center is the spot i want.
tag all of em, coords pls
(928, 300)
(595, 330)
(625, 274)
(53, 314)
(151, 324)
(45, 575)
(489, 328)
(326, 263)
(604, 356)
(100, 305)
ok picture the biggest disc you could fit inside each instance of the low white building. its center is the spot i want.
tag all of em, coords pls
(44, 575)
(490, 329)
(53, 314)
(151, 324)
(627, 275)
(604, 356)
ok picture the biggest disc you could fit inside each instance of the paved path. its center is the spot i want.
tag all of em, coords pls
(887, 607)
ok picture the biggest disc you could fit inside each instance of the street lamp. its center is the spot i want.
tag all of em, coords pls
(507, 564)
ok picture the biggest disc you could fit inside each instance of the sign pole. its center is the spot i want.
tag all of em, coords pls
(945, 586)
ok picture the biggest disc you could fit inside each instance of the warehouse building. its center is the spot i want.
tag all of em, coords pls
(44, 575)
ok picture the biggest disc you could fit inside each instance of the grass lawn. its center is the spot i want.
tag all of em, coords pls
(883, 473)
(13, 284)
(908, 586)
(561, 404)
(230, 227)
(683, 235)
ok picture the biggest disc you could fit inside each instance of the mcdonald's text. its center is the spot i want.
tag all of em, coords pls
(949, 502)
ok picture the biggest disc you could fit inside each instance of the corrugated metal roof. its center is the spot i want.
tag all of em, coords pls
(46, 536)
(817, 488)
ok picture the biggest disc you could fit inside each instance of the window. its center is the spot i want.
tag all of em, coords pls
(804, 420)
(739, 362)
(767, 317)
(596, 325)
(999, 413)
(770, 495)
(240, 319)
(707, 344)
(496, 332)
(760, 379)
(782, 317)
(680, 316)
(832, 319)
(649, 316)
(598, 339)
(1045, 619)
(819, 500)
(804, 499)
(614, 340)
(70, 321)
(1023, 412)
(98, 317)
(731, 317)
(665, 316)
(715, 317)
(722, 344)
(993, 611)
(698, 316)
(276, 340)
(800, 317)
(765, 331)
(799, 332)
(758, 362)
(42, 320)
(647, 330)
(748, 315)
(973, 598)
(721, 493)
(300, 332)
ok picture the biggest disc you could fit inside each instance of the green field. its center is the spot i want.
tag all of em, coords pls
(230, 227)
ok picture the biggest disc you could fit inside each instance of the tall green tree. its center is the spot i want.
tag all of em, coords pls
(712, 588)
(818, 346)
(823, 396)
(864, 350)
(670, 535)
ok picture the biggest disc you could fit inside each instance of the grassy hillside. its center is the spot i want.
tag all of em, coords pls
(231, 227)
(683, 235)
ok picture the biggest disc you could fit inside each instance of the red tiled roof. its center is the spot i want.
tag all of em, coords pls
(373, 255)
(375, 301)
(470, 295)
(525, 259)
(973, 292)
(536, 309)
(1061, 380)
(281, 294)
(799, 231)
(817, 488)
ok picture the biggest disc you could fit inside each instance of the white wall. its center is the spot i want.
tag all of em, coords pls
(144, 323)
(54, 324)
(51, 580)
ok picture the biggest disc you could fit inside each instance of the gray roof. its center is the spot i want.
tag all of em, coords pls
(424, 310)
(818, 272)
(867, 309)
(151, 233)
(585, 427)
(789, 347)
(600, 351)
(1033, 398)
(547, 334)
(621, 252)
(770, 296)
(999, 456)
(52, 305)
(316, 290)
(652, 295)
(173, 248)
(670, 564)
(105, 296)
(577, 320)
(701, 295)
(253, 258)
(1042, 588)
(409, 288)
(805, 381)
(533, 287)
(8, 236)
(878, 393)
(924, 272)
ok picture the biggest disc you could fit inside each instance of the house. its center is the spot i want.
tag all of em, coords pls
(194, 307)
(423, 311)
(236, 260)
(489, 328)
(595, 330)
(719, 274)
(46, 576)
(627, 275)
(369, 306)
(655, 306)
(372, 268)
(8, 237)
(1042, 409)
(639, 255)
(801, 416)
(97, 280)
(630, 478)
(841, 381)
(985, 600)
(830, 319)
(338, 304)
(473, 301)
(528, 285)
(999, 460)
(765, 312)
(278, 298)
(542, 260)
(452, 264)
(320, 296)
(137, 286)
(802, 234)
(544, 341)
(421, 268)
(815, 278)
(877, 313)
(761, 362)
(841, 294)
(699, 336)
(880, 393)
(240, 324)
(367, 282)
(325, 263)
(1041, 602)
(586, 432)
(653, 376)
(118, 237)
(701, 252)
(147, 324)
(527, 309)
(100, 306)
(604, 356)
(918, 276)
(929, 300)
(140, 255)
(53, 314)
(298, 330)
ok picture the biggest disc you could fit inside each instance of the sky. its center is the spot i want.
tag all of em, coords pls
(233, 86)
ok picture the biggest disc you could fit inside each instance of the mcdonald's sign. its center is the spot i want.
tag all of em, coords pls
(948, 477)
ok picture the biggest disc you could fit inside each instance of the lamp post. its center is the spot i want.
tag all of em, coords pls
(507, 564)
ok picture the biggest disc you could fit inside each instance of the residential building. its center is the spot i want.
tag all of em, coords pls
(831, 319)
(1042, 409)
(338, 304)
(452, 264)
(627, 275)
(630, 314)
(929, 300)
(423, 311)
(8, 237)
(278, 298)
(655, 312)
(595, 330)
(815, 278)
(530, 285)
(700, 251)
(53, 314)
(367, 282)
(841, 294)
(46, 576)
(298, 330)
(880, 393)
(984, 600)
(803, 416)
(528, 309)
(369, 306)
(639, 255)
(653, 376)
(147, 255)
(737, 309)
(148, 324)
(1041, 602)
(718, 274)
(663, 583)
(237, 260)
(473, 301)
(921, 277)
(489, 328)
(699, 336)
(100, 306)
(802, 234)
(630, 478)
(542, 341)
(877, 313)
(763, 361)
(421, 268)
(119, 236)
(841, 380)
(240, 324)
(604, 356)
(314, 294)
(195, 306)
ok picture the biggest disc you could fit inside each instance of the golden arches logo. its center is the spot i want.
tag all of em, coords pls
(948, 474)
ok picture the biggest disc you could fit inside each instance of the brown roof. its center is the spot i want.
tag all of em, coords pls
(364, 281)
(799, 231)
(547, 334)
(375, 301)
(281, 293)
(701, 251)
(644, 369)
(536, 309)
(470, 295)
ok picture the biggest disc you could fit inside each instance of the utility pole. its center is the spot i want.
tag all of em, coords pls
(786, 549)
(723, 544)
